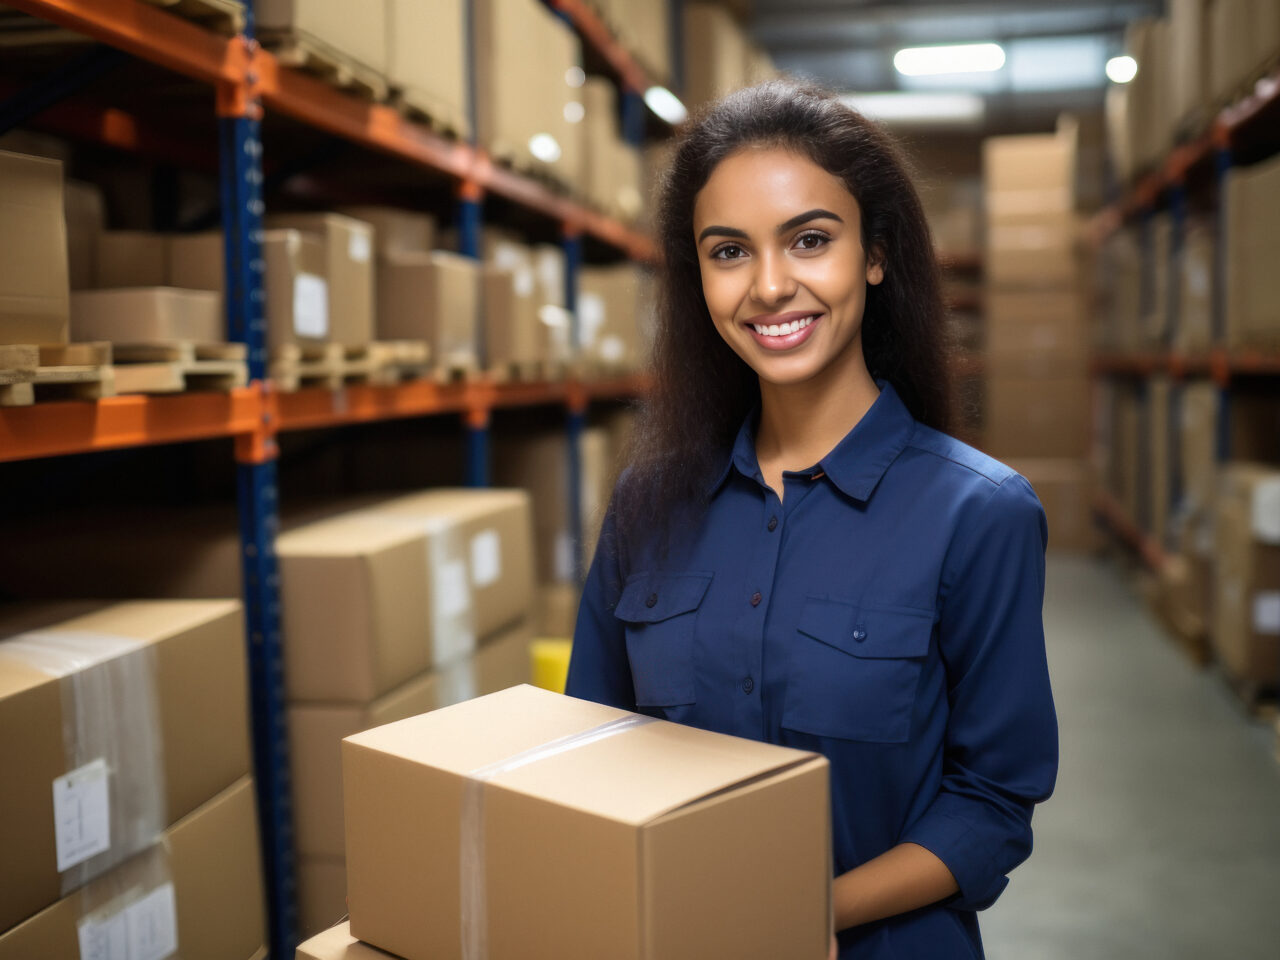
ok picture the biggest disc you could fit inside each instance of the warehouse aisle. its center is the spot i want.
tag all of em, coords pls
(1163, 839)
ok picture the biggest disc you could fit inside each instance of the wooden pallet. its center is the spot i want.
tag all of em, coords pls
(395, 361)
(331, 365)
(455, 371)
(304, 52)
(76, 371)
(530, 168)
(528, 371)
(221, 16)
(424, 109)
(180, 367)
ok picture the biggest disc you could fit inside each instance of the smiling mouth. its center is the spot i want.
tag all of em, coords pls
(783, 329)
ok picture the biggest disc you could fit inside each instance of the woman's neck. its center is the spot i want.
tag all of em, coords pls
(800, 423)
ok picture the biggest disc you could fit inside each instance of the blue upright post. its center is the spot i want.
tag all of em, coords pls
(577, 418)
(470, 224)
(634, 116)
(241, 180)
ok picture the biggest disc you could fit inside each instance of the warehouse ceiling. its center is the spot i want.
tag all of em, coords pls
(1055, 50)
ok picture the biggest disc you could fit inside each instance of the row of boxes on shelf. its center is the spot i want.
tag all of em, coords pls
(719, 54)
(1146, 279)
(1221, 528)
(330, 279)
(1202, 56)
(128, 817)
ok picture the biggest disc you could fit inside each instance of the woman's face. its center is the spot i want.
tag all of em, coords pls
(783, 269)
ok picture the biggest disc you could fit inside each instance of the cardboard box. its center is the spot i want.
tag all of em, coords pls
(1157, 324)
(1043, 417)
(1252, 284)
(1191, 46)
(396, 230)
(131, 258)
(513, 330)
(715, 54)
(644, 27)
(1029, 176)
(434, 297)
(322, 899)
(138, 740)
(34, 285)
(147, 315)
(337, 943)
(1065, 488)
(573, 866)
(539, 463)
(1044, 252)
(608, 321)
(1193, 329)
(199, 890)
(1035, 333)
(426, 60)
(86, 221)
(1246, 605)
(1197, 444)
(1161, 416)
(362, 38)
(348, 245)
(557, 614)
(1231, 46)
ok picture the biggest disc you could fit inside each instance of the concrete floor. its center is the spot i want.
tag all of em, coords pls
(1163, 838)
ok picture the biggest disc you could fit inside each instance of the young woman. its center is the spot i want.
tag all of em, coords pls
(798, 554)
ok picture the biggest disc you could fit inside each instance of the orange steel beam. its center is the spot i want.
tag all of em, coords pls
(149, 33)
(56, 429)
(358, 403)
(601, 38)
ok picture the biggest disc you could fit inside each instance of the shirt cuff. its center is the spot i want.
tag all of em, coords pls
(965, 852)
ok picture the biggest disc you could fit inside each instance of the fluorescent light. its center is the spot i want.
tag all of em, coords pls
(666, 105)
(956, 58)
(544, 147)
(1122, 69)
(920, 109)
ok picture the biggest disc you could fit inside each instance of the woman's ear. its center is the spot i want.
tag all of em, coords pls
(875, 266)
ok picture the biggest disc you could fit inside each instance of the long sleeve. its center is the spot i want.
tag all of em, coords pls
(1001, 746)
(599, 669)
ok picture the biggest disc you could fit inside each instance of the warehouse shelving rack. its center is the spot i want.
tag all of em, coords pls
(248, 80)
(1247, 126)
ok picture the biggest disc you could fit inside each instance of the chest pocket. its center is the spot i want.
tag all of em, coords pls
(658, 612)
(855, 670)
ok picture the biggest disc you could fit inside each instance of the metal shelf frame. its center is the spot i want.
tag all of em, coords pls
(247, 81)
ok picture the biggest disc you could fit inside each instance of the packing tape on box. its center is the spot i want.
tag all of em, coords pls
(130, 913)
(111, 803)
(471, 857)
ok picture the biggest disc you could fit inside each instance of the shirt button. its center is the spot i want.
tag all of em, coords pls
(859, 635)
(773, 524)
(748, 684)
(756, 598)
(651, 600)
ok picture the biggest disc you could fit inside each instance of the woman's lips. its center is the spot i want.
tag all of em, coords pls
(790, 333)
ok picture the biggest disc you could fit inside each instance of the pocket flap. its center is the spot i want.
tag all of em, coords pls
(650, 598)
(873, 633)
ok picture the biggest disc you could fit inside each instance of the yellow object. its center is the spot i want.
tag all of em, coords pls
(550, 663)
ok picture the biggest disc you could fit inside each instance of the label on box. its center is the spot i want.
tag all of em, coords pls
(566, 566)
(591, 314)
(310, 305)
(523, 282)
(486, 558)
(1266, 612)
(82, 814)
(1264, 513)
(146, 929)
(453, 593)
(360, 246)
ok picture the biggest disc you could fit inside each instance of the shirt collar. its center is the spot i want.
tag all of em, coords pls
(857, 462)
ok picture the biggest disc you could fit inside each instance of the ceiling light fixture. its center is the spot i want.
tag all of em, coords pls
(920, 109)
(1122, 69)
(954, 58)
(666, 105)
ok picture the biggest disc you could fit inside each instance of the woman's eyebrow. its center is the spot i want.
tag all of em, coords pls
(722, 232)
(815, 214)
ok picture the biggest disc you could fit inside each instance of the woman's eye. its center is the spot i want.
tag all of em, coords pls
(729, 251)
(811, 241)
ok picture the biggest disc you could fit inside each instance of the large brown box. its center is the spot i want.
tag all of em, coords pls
(434, 297)
(574, 867)
(1037, 333)
(131, 258)
(1029, 176)
(1197, 445)
(199, 889)
(363, 38)
(715, 53)
(427, 57)
(1246, 599)
(1252, 295)
(34, 283)
(86, 221)
(1159, 455)
(396, 230)
(156, 725)
(1065, 488)
(348, 270)
(1043, 252)
(513, 331)
(147, 315)
(1045, 417)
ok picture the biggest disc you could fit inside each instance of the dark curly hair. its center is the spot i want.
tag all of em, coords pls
(702, 390)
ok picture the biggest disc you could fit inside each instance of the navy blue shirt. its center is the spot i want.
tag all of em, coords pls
(885, 613)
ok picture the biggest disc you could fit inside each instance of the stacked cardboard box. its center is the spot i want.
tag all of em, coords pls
(528, 88)
(1039, 309)
(1138, 113)
(1252, 284)
(34, 285)
(525, 321)
(1193, 331)
(327, 32)
(127, 802)
(644, 28)
(716, 53)
(612, 316)
(612, 167)
(427, 57)
(391, 610)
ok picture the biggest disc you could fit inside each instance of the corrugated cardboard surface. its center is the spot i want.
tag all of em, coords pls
(202, 699)
(1252, 294)
(1246, 597)
(337, 943)
(363, 37)
(322, 896)
(656, 869)
(431, 296)
(147, 314)
(1037, 333)
(715, 53)
(34, 284)
(426, 54)
(1045, 417)
(216, 873)
(396, 230)
(349, 268)
(1029, 175)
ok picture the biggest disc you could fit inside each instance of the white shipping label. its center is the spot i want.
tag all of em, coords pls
(453, 593)
(82, 814)
(566, 565)
(360, 246)
(524, 282)
(1266, 612)
(153, 925)
(591, 316)
(310, 305)
(486, 558)
(104, 938)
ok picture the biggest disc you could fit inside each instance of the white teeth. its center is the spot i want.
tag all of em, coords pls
(783, 329)
(774, 330)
